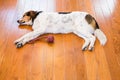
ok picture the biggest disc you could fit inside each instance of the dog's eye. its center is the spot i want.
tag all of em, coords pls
(28, 14)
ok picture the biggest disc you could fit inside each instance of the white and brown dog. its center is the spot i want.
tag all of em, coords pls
(80, 23)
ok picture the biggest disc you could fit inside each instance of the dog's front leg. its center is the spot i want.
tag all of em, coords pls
(26, 38)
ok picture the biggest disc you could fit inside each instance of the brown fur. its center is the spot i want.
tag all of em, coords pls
(91, 21)
(31, 14)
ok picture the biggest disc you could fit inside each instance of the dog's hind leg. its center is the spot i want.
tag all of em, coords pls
(91, 39)
(87, 41)
(92, 42)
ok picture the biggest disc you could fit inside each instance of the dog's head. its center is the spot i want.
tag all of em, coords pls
(28, 18)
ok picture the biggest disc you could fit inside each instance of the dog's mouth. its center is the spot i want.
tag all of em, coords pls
(20, 21)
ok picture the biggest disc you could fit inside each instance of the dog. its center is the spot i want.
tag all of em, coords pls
(81, 24)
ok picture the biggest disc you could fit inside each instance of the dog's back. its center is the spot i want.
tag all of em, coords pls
(59, 22)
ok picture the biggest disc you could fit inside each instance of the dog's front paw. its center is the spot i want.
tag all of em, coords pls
(17, 41)
(19, 45)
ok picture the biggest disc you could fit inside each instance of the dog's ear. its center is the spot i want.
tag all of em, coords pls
(32, 14)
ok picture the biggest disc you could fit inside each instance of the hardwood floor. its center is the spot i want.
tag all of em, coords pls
(63, 60)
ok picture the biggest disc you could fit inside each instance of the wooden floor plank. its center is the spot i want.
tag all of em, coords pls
(38, 65)
(69, 59)
(59, 58)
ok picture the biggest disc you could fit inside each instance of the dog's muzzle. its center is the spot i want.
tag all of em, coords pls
(20, 21)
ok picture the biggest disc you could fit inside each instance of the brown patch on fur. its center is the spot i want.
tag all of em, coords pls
(91, 21)
(31, 14)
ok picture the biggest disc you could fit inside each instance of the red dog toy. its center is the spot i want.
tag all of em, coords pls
(49, 39)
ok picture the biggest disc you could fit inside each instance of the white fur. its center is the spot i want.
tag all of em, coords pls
(64, 23)
(101, 36)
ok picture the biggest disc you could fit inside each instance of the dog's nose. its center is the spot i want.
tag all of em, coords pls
(18, 21)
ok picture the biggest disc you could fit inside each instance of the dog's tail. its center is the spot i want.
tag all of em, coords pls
(101, 36)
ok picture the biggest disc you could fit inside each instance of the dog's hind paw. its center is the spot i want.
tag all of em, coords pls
(91, 48)
(85, 48)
